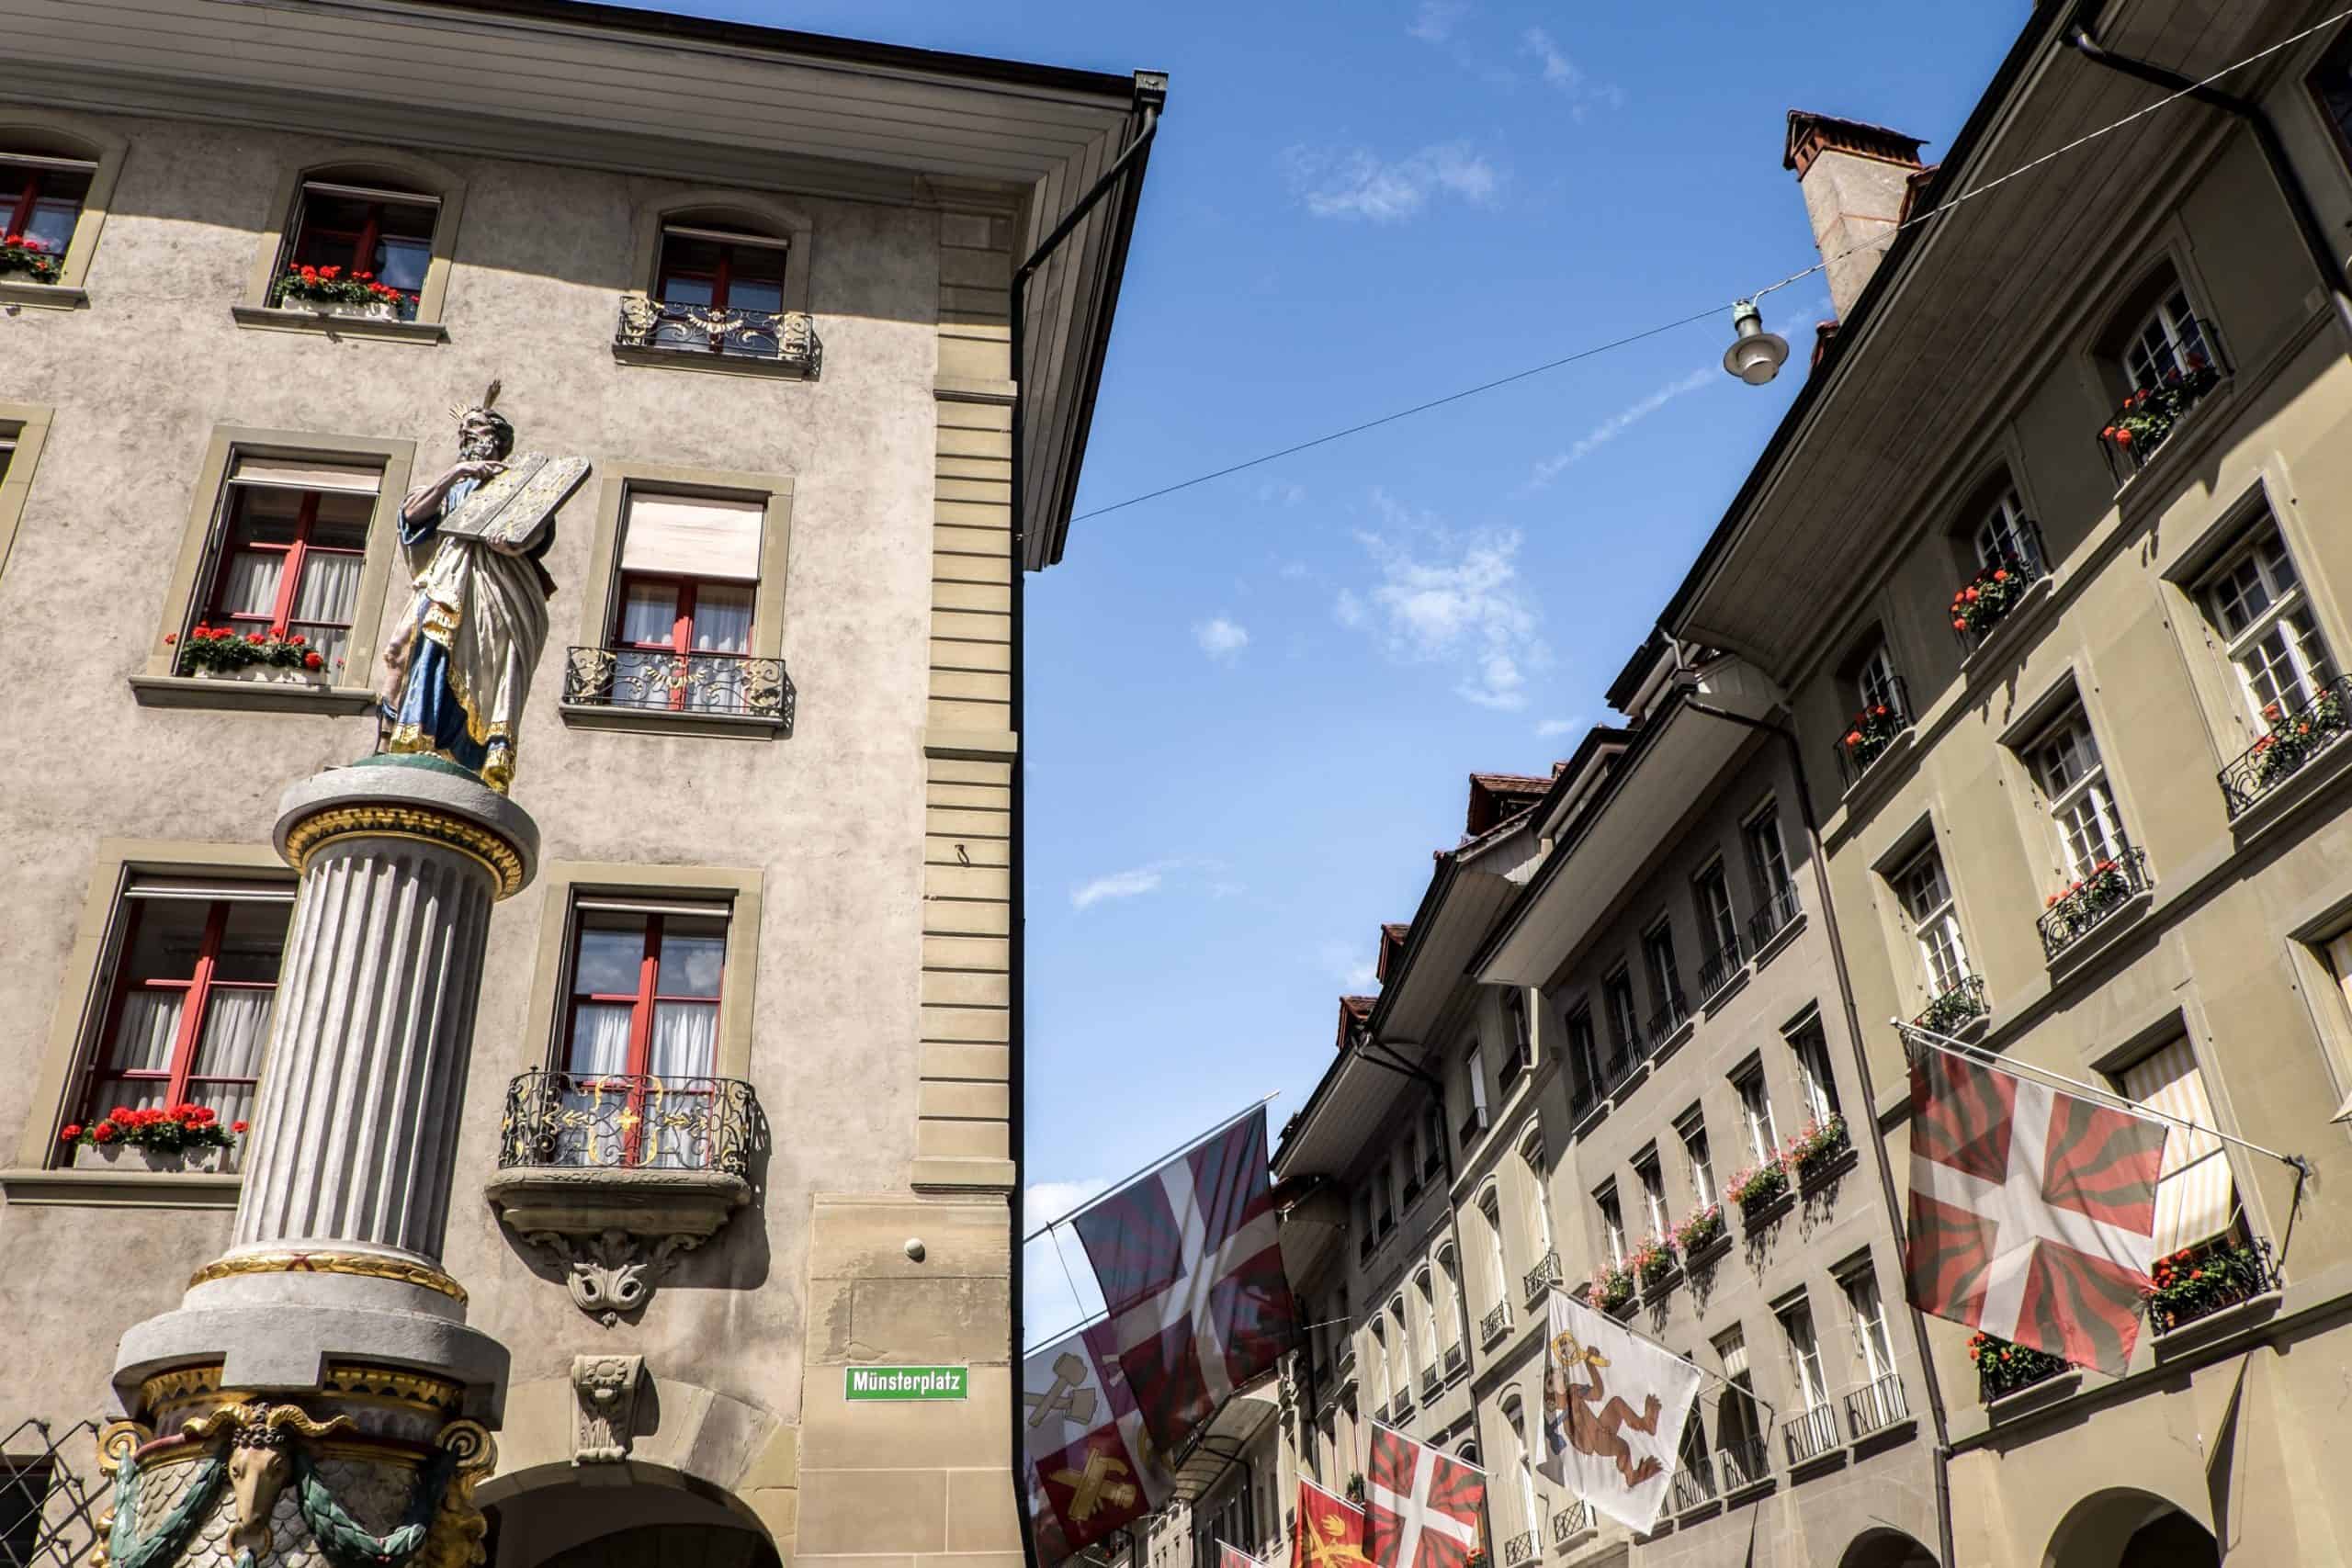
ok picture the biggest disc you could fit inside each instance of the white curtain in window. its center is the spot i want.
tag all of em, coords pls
(685, 1039)
(235, 1025)
(250, 586)
(600, 1040)
(679, 536)
(2195, 1195)
(142, 1041)
(2339, 958)
(329, 588)
(722, 620)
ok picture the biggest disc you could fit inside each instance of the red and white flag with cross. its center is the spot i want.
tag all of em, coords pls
(1192, 1275)
(1421, 1504)
(2033, 1211)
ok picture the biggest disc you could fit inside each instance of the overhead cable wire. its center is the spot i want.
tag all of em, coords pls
(1940, 210)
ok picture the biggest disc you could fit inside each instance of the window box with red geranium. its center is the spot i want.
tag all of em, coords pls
(1985, 600)
(1815, 1149)
(23, 256)
(1757, 1188)
(221, 653)
(171, 1138)
(2004, 1369)
(1870, 733)
(2074, 911)
(1652, 1261)
(338, 292)
(1613, 1288)
(2148, 417)
(2198, 1282)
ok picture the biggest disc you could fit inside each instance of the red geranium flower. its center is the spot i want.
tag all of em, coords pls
(296, 639)
(72, 1130)
(1960, 625)
(1854, 739)
(2000, 574)
(170, 638)
(311, 661)
(238, 1128)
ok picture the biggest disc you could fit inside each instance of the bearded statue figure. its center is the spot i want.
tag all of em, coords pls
(459, 665)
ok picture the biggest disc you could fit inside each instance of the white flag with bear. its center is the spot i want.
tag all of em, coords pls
(1613, 1409)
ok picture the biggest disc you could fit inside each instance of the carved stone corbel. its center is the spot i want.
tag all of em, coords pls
(607, 1387)
(613, 1271)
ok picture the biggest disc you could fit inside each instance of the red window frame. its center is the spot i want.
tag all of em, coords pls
(197, 988)
(723, 277)
(681, 646)
(310, 240)
(640, 1002)
(298, 552)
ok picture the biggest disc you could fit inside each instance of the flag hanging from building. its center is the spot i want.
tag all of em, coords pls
(1192, 1275)
(1421, 1504)
(1231, 1556)
(2033, 1211)
(1328, 1532)
(1613, 1409)
(1092, 1467)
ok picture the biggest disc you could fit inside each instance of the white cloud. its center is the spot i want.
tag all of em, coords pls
(1357, 976)
(1458, 604)
(1221, 638)
(1615, 426)
(1045, 1201)
(1133, 884)
(1433, 21)
(1551, 728)
(1564, 75)
(1356, 183)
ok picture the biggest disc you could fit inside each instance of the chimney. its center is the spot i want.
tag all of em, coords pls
(1857, 184)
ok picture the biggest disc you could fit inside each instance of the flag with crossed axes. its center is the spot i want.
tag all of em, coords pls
(1192, 1276)
(1093, 1468)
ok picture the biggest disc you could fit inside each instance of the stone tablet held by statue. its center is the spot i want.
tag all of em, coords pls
(508, 509)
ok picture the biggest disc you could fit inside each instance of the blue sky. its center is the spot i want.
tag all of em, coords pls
(1252, 705)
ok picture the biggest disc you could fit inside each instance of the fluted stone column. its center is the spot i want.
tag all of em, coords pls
(335, 1259)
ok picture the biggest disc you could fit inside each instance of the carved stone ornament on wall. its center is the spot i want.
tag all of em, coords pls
(607, 1388)
(611, 1273)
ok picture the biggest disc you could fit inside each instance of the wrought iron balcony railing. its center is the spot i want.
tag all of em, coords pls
(2294, 739)
(1812, 1433)
(1364, 1246)
(2198, 1281)
(1571, 1522)
(1454, 1357)
(1472, 1125)
(1742, 1464)
(1987, 598)
(1545, 1275)
(785, 338)
(1694, 1484)
(654, 682)
(1433, 1379)
(1494, 1324)
(1412, 1189)
(1436, 1160)
(622, 1121)
(1519, 1548)
(1672, 1013)
(1776, 914)
(1876, 1405)
(1870, 733)
(1957, 1008)
(1513, 1064)
(2004, 1369)
(1718, 968)
(1400, 1404)
(2135, 432)
(2083, 908)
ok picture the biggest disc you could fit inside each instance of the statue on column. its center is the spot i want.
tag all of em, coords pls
(457, 667)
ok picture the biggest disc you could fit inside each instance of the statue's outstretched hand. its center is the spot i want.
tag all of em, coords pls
(481, 468)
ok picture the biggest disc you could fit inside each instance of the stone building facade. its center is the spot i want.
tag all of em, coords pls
(742, 1108)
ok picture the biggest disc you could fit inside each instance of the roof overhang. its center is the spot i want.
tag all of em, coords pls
(1943, 325)
(644, 92)
(1221, 1444)
(1673, 760)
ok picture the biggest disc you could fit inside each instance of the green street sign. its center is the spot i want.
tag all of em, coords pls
(906, 1383)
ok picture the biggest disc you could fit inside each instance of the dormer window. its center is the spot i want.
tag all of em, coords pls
(722, 280)
(351, 233)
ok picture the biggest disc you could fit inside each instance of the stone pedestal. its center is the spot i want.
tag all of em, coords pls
(326, 1354)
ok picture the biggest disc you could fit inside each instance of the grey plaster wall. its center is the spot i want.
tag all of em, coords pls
(832, 815)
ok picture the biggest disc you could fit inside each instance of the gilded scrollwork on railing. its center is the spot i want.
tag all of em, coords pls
(625, 1120)
(785, 338)
(653, 682)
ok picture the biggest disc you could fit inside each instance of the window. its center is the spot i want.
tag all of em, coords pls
(44, 193)
(1928, 903)
(1767, 861)
(1364, 1219)
(1813, 1072)
(1449, 1282)
(1530, 1156)
(1612, 1224)
(293, 549)
(2066, 764)
(1874, 681)
(1617, 996)
(1475, 1069)
(1693, 1131)
(1739, 1437)
(1583, 1057)
(2196, 1195)
(1756, 1114)
(642, 1024)
(724, 267)
(690, 572)
(1432, 1136)
(1804, 1357)
(2170, 343)
(1717, 921)
(2256, 603)
(1425, 1286)
(2331, 83)
(1491, 1211)
(1383, 1179)
(1873, 1344)
(1665, 980)
(2003, 536)
(361, 225)
(1653, 1180)
(1379, 1359)
(1523, 1041)
(1403, 1346)
(1522, 1474)
(187, 1018)
(24, 1496)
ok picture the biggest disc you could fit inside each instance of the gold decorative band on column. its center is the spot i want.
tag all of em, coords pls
(365, 1265)
(347, 1380)
(377, 820)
